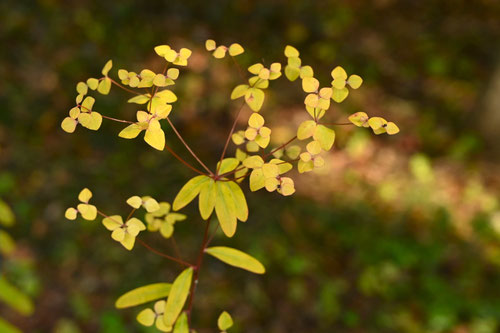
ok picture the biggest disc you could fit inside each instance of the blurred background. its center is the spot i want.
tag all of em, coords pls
(395, 234)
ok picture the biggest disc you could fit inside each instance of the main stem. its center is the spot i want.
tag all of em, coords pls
(196, 268)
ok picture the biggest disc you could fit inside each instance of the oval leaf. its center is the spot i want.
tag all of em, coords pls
(143, 295)
(189, 191)
(236, 258)
(177, 297)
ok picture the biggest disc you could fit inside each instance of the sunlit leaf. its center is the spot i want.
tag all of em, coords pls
(254, 98)
(207, 199)
(239, 201)
(340, 94)
(155, 136)
(189, 191)
(227, 165)
(355, 81)
(134, 202)
(225, 208)
(104, 86)
(146, 317)
(210, 45)
(177, 297)
(235, 49)
(143, 295)
(291, 51)
(69, 124)
(306, 129)
(130, 132)
(82, 88)
(224, 321)
(236, 258)
(181, 325)
(93, 83)
(220, 52)
(391, 128)
(107, 67)
(325, 136)
(89, 212)
(139, 99)
(359, 119)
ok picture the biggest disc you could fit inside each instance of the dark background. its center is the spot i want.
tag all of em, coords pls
(396, 234)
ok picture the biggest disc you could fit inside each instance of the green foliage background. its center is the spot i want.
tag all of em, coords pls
(404, 236)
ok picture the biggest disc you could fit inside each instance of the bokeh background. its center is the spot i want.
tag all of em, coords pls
(396, 234)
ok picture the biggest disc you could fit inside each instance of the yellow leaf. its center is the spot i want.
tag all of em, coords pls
(104, 86)
(292, 73)
(150, 204)
(291, 51)
(146, 317)
(89, 212)
(240, 202)
(239, 91)
(257, 180)
(306, 129)
(143, 295)
(177, 297)
(82, 88)
(340, 94)
(85, 195)
(310, 84)
(134, 202)
(189, 191)
(71, 213)
(225, 209)
(131, 131)
(359, 119)
(235, 49)
(107, 67)
(93, 83)
(391, 128)
(161, 50)
(91, 120)
(236, 258)
(139, 99)
(306, 72)
(253, 162)
(220, 52)
(88, 103)
(6, 327)
(228, 164)
(325, 136)
(69, 125)
(254, 98)
(210, 45)
(224, 321)
(206, 203)
(355, 81)
(173, 73)
(155, 136)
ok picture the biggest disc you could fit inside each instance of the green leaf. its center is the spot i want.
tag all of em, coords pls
(225, 208)
(181, 325)
(225, 321)
(340, 94)
(236, 258)
(207, 199)
(239, 201)
(7, 244)
(189, 191)
(6, 327)
(6, 215)
(177, 297)
(15, 298)
(325, 136)
(143, 295)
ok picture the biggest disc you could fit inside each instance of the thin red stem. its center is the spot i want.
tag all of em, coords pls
(124, 88)
(182, 262)
(183, 161)
(188, 148)
(229, 136)
(196, 268)
(118, 120)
